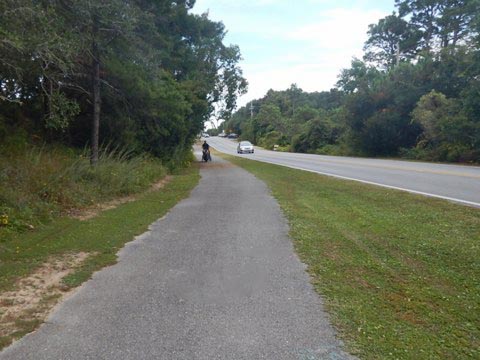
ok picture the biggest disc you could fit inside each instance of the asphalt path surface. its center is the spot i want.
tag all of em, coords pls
(451, 182)
(217, 278)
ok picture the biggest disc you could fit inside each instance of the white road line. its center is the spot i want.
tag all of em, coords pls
(471, 203)
(466, 202)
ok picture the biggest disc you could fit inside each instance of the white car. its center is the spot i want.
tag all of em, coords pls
(245, 147)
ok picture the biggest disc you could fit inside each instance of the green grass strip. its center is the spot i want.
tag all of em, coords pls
(103, 235)
(400, 273)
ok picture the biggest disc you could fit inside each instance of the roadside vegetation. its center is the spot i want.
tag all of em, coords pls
(41, 183)
(61, 219)
(415, 94)
(85, 245)
(140, 77)
(399, 273)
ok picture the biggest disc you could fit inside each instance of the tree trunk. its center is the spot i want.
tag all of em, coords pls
(48, 93)
(455, 38)
(445, 41)
(47, 98)
(397, 54)
(96, 98)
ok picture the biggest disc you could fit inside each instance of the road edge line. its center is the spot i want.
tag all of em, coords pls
(471, 203)
(460, 201)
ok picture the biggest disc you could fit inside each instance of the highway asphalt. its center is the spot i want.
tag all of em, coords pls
(456, 183)
(217, 278)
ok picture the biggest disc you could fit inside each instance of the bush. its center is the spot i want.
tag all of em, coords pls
(271, 139)
(332, 149)
(182, 158)
(40, 183)
(443, 152)
(416, 153)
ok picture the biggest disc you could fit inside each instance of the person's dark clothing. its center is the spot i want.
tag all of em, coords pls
(205, 146)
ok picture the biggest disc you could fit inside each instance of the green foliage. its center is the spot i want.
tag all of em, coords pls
(290, 118)
(444, 22)
(432, 111)
(272, 138)
(378, 116)
(448, 134)
(270, 118)
(391, 40)
(359, 76)
(40, 183)
(376, 109)
(62, 111)
(213, 132)
(162, 72)
(316, 134)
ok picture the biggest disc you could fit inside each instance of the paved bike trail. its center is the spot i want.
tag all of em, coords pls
(217, 278)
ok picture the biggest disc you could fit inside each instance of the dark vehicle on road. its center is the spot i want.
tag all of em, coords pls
(245, 147)
(232, 136)
(206, 155)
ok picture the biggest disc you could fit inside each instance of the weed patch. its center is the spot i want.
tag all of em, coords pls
(38, 184)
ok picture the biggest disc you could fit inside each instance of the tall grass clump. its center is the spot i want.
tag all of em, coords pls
(38, 183)
(181, 158)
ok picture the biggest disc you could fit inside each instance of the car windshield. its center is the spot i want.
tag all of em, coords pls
(245, 143)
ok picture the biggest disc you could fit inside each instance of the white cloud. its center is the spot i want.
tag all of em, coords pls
(323, 49)
(338, 28)
(284, 43)
(308, 76)
(235, 3)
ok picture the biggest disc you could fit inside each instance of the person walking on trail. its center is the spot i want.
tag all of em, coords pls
(205, 146)
(206, 152)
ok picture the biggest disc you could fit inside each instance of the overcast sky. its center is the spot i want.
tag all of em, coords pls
(306, 42)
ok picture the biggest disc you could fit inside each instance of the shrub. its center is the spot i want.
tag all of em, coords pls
(39, 183)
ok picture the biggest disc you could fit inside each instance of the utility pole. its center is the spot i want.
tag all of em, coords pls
(253, 123)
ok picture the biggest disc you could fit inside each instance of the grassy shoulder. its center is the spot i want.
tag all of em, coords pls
(101, 237)
(400, 273)
(41, 183)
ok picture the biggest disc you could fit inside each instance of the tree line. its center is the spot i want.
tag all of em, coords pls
(139, 74)
(415, 93)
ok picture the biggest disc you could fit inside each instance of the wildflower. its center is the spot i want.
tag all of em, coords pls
(3, 220)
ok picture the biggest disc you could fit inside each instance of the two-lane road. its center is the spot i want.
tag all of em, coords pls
(451, 182)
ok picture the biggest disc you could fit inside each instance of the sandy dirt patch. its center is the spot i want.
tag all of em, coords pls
(34, 296)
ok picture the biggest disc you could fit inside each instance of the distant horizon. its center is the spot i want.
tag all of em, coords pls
(207, 124)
